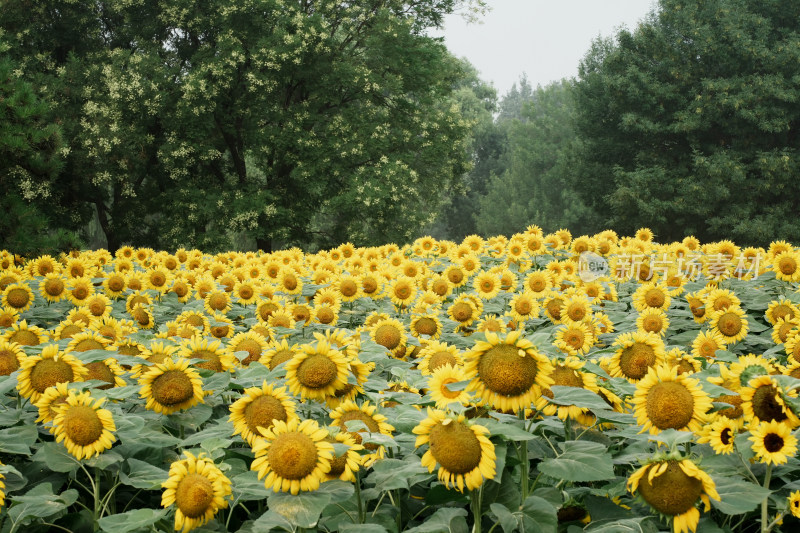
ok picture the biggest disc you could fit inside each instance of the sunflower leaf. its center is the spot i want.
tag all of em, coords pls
(737, 496)
(581, 461)
(136, 520)
(445, 520)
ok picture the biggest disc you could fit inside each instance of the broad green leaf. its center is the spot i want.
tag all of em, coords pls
(247, 486)
(40, 502)
(362, 528)
(390, 474)
(539, 515)
(581, 461)
(507, 520)
(136, 520)
(508, 430)
(143, 475)
(301, 510)
(18, 439)
(445, 520)
(737, 496)
(56, 457)
(578, 397)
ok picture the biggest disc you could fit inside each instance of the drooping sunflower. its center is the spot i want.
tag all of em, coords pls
(84, 427)
(551, 305)
(463, 451)
(440, 392)
(215, 356)
(197, 488)
(781, 308)
(38, 372)
(8, 317)
(665, 400)
(785, 329)
(372, 421)
(730, 323)
(11, 357)
(673, 488)
(773, 442)
(171, 386)
(17, 296)
(637, 352)
(763, 401)
(507, 373)
(317, 371)
(258, 408)
(293, 456)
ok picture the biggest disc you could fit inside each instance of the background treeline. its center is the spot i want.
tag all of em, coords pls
(267, 123)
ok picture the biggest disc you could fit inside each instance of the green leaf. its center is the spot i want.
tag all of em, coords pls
(737, 496)
(507, 430)
(40, 502)
(18, 439)
(248, 487)
(143, 475)
(539, 515)
(445, 520)
(390, 474)
(621, 525)
(56, 457)
(578, 397)
(507, 520)
(581, 461)
(136, 520)
(362, 528)
(301, 510)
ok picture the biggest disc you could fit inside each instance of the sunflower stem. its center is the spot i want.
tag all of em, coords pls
(361, 515)
(96, 513)
(522, 452)
(765, 527)
(475, 500)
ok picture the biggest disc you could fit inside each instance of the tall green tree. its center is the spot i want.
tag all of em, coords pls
(691, 122)
(302, 122)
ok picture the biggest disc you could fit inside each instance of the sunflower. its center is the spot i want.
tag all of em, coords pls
(137, 298)
(487, 285)
(523, 306)
(747, 367)
(438, 383)
(651, 296)
(427, 325)
(697, 306)
(220, 326)
(637, 352)
(463, 451)
(665, 400)
(24, 334)
(43, 265)
(77, 268)
(551, 305)
(217, 301)
(730, 323)
(507, 373)
(345, 465)
(50, 400)
(288, 282)
(181, 288)
(157, 353)
(436, 354)
(672, 488)
(785, 329)
(83, 426)
(8, 317)
(388, 333)
(18, 297)
(763, 401)
(685, 363)
(215, 356)
(653, 320)
(87, 340)
(372, 422)
(278, 352)
(250, 342)
(198, 488)
(719, 434)
(107, 370)
(794, 503)
(66, 329)
(53, 287)
(786, 266)
(293, 456)
(575, 308)
(258, 408)
(281, 318)
(493, 323)
(79, 290)
(110, 328)
(11, 357)
(359, 373)
(171, 386)
(574, 338)
(569, 373)
(707, 343)
(317, 371)
(773, 442)
(38, 372)
(781, 308)
(328, 296)
(98, 305)
(194, 318)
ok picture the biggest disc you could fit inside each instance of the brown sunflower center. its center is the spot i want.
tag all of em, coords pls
(388, 336)
(172, 387)
(18, 298)
(194, 495)
(290, 282)
(210, 358)
(523, 306)
(773, 442)
(567, 377)
(455, 276)
(787, 265)
(669, 405)
(49, 372)
(292, 455)
(673, 492)
(372, 426)
(252, 348)
(82, 425)
(338, 463)
(574, 338)
(69, 331)
(99, 370)
(181, 289)
(54, 287)
(440, 287)
(731, 412)
(766, 405)
(503, 371)
(246, 292)
(426, 326)
(726, 436)
(782, 311)
(218, 301)
(8, 362)
(455, 447)
(317, 371)
(554, 308)
(262, 411)
(654, 298)
(80, 292)
(440, 359)
(447, 393)
(576, 312)
(280, 357)
(369, 285)
(24, 337)
(636, 359)
(88, 344)
(652, 323)
(729, 324)
(325, 315)
(462, 312)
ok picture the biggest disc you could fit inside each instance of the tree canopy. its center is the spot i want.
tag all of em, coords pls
(303, 122)
(691, 121)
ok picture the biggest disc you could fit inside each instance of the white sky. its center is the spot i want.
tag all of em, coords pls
(546, 39)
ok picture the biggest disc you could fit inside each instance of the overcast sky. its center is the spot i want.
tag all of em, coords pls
(546, 39)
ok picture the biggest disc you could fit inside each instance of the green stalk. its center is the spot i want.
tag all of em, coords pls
(765, 526)
(522, 452)
(361, 514)
(97, 502)
(475, 500)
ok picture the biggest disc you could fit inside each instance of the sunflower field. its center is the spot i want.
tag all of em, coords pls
(541, 383)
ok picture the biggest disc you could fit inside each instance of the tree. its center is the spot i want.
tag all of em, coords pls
(30, 159)
(302, 122)
(540, 155)
(690, 122)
